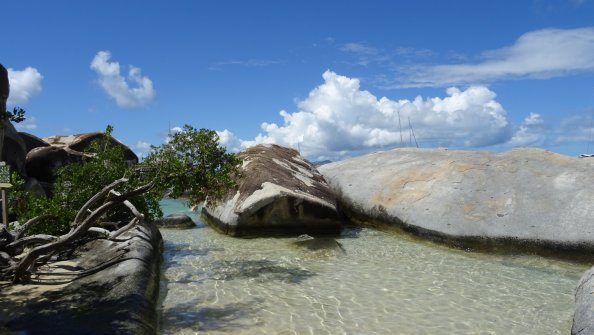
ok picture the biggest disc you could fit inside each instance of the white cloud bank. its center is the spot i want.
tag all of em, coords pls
(23, 85)
(338, 118)
(540, 54)
(140, 93)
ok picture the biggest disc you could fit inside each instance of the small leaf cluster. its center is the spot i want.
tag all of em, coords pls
(17, 115)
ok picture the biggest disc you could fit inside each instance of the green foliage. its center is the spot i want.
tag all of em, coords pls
(192, 164)
(105, 162)
(24, 205)
(78, 182)
(17, 115)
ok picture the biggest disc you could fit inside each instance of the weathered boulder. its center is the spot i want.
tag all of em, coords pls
(31, 141)
(530, 197)
(583, 317)
(175, 221)
(279, 193)
(111, 288)
(14, 149)
(4, 88)
(80, 142)
(43, 162)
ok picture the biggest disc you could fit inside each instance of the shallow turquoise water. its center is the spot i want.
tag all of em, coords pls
(381, 284)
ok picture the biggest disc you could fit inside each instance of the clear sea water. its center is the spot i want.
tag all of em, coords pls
(379, 283)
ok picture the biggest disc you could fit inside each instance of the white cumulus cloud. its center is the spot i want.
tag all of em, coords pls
(230, 141)
(532, 132)
(132, 91)
(539, 54)
(339, 118)
(23, 85)
(141, 148)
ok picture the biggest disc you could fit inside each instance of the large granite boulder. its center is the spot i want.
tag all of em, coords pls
(530, 197)
(43, 162)
(279, 193)
(80, 142)
(14, 149)
(31, 141)
(110, 288)
(11, 144)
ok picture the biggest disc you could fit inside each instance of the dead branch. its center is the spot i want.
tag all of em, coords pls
(138, 218)
(85, 209)
(99, 230)
(22, 230)
(34, 239)
(82, 224)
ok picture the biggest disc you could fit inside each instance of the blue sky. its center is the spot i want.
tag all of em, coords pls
(333, 79)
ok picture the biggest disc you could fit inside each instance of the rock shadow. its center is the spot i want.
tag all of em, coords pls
(73, 311)
(228, 318)
(260, 270)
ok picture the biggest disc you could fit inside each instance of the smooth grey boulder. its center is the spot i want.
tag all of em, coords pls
(278, 193)
(118, 294)
(583, 317)
(528, 196)
(176, 220)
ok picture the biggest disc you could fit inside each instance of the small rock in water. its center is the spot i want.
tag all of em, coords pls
(175, 221)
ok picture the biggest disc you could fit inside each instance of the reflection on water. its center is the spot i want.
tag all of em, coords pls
(380, 284)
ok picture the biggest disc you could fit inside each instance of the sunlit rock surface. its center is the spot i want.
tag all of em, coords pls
(80, 142)
(531, 196)
(279, 193)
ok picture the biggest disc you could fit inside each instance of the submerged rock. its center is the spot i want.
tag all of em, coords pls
(528, 196)
(278, 193)
(176, 221)
(319, 243)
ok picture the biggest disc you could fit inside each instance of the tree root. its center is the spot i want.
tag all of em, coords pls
(19, 265)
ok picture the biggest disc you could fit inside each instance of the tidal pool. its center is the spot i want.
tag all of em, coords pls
(379, 283)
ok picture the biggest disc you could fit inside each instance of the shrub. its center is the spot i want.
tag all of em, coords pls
(191, 164)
